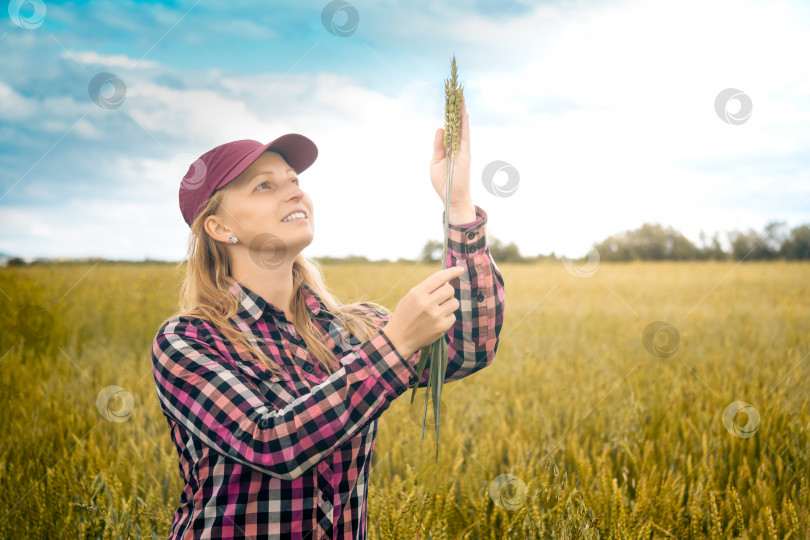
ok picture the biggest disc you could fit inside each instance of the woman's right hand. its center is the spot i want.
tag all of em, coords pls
(425, 313)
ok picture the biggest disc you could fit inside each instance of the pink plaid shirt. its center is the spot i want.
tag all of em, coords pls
(289, 456)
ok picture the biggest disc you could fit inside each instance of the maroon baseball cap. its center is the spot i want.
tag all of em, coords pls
(220, 165)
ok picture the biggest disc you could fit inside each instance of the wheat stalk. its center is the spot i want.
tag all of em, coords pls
(437, 351)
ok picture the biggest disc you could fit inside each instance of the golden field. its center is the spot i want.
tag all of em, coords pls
(637, 440)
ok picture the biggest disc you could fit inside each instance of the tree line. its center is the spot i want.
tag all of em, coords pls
(650, 242)
(653, 242)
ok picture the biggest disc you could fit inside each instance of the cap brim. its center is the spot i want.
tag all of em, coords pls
(299, 151)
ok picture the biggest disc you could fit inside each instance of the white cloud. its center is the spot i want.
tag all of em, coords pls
(56, 113)
(110, 60)
(195, 115)
(14, 106)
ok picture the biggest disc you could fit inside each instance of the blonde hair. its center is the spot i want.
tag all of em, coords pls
(205, 294)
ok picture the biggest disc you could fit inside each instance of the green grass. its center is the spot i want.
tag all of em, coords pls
(637, 440)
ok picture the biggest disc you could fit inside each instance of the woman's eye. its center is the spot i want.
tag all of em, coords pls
(268, 183)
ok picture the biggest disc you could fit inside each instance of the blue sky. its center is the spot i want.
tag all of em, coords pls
(605, 109)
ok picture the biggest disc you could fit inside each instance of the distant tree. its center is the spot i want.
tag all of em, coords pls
(756, 246)
(16, 261)
(360, 259)
(650, 242)
(615, 248)
(774, 237)
(551, 257)
(713, 250)
(653, 242)
(502, 253)
(797, 245)
(432, 251)
(747, 245)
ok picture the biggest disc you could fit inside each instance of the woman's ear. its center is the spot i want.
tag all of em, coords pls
(216, 229)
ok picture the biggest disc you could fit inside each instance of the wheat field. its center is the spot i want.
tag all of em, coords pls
(581, 428)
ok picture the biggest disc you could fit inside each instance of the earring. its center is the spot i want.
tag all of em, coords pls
(234, 239)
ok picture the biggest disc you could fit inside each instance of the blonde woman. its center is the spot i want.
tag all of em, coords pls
(271, 387)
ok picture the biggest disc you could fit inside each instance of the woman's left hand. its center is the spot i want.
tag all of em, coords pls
(460, 196)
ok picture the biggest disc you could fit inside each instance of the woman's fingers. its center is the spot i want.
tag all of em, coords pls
(438, 146)
(464, 145)
(441, 277)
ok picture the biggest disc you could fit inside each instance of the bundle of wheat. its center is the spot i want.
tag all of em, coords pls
(437, 351)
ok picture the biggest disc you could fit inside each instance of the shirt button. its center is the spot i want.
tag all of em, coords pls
(263, 423)
(480, 296)
(265, 375)
(471, 235)
(308, 367)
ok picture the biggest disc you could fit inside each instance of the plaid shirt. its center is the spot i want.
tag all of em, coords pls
(289, 456)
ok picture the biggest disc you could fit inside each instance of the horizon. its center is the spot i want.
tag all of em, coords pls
(727, 249)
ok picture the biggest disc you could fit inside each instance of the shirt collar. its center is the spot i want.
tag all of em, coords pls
(253, 305)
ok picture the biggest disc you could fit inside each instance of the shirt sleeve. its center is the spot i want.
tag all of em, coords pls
(473, 340)
(215, 402)
(476, 221)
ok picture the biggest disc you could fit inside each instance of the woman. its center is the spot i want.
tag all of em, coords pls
(272, 389)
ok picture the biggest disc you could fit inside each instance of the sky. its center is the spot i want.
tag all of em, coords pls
(605, 115)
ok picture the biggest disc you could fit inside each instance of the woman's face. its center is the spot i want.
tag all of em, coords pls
(256, 202)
